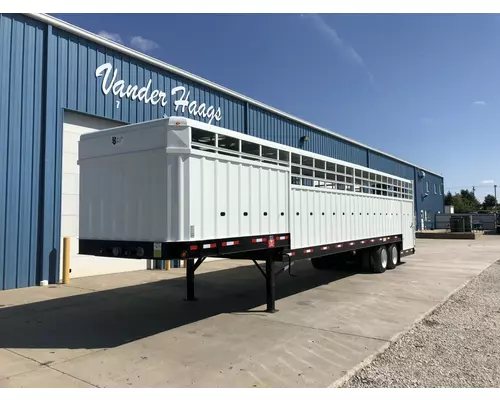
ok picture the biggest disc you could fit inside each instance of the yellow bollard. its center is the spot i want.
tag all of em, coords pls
(184, 263)
(167, 265)
(66, 258)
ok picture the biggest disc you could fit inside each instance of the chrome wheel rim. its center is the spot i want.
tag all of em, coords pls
(394, 255)
(383, 258)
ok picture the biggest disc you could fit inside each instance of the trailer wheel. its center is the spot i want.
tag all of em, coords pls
(393, 256)
(379, 259)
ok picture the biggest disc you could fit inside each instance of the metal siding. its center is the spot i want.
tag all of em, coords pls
(72, 72)
(14, 154)
(81, 102)
(47, 255)
(263, 124)
(389, 166)
(5, 43)
(21, 44)
(37, 188)
(91, 84)
(433, 203)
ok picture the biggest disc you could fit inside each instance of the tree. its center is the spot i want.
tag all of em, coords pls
(464, 202)
(448, 199)
(470, 197)
(489, 202)
(459, 205)
(470, 202)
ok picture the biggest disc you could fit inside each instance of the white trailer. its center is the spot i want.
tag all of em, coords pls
(175, 188)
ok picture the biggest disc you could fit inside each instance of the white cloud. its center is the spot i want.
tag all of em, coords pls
(479, 103)
(340, 45)
(115, 37)
(143, 44)
(488, 182)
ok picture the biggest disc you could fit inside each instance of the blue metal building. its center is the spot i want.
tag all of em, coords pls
(50, 70)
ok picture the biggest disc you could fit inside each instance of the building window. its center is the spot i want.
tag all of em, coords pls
(440, 190)
(435, 189)
(427, 187)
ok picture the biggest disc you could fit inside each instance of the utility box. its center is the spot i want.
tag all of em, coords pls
(461, 223)
(449, 209)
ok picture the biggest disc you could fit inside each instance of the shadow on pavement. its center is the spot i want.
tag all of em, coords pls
(110, 318)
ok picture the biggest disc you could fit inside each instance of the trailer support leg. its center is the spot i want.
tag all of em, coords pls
(260, 269)
(270, 284)
(190, 268)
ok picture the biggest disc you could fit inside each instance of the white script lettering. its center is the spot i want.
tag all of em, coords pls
(144, 94)
(118, 87)
(193, 107)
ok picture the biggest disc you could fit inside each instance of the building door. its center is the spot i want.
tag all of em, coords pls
(74, 126)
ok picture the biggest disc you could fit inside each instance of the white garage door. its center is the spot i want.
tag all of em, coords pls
(74, 126)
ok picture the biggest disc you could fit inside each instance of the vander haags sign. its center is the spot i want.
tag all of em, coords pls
(144, 94)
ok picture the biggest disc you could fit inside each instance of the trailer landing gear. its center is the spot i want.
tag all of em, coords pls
(270, 278)
(270, 285)
(270, 275)
(191, 267)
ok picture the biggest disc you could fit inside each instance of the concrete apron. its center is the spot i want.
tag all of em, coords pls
(134, 329)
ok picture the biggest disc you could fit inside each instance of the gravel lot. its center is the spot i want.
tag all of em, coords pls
(458, 345)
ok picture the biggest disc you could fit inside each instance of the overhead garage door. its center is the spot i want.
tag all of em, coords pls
(74, 126)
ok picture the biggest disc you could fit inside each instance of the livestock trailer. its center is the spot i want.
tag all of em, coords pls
(176, 188)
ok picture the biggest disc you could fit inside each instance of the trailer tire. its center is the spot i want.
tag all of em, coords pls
(379, 259)
(392, 256)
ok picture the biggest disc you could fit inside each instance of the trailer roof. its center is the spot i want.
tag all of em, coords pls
(170, 68)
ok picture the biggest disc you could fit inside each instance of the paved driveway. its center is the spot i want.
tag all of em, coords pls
(134, 330)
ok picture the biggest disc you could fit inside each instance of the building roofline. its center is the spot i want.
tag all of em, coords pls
(63, 25)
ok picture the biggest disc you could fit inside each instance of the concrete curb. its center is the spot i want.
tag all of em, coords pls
(368, 360)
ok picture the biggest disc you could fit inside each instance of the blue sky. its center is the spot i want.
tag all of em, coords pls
(424, 88)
